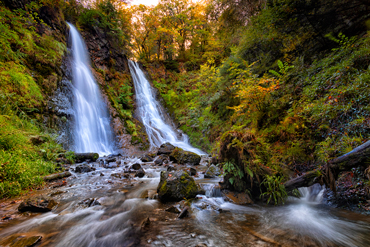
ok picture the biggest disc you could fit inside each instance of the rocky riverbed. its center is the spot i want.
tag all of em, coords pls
(114, 201)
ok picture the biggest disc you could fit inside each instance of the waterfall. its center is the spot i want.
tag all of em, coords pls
(148, 107)
(92, 130)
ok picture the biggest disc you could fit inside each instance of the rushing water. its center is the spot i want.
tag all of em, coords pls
(92, 132)
(151, 116)
(126, 203)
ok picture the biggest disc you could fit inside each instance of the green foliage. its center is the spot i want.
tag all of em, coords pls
(124, 97)
(342, 40)
(28, 61)
(234, 172)
(70, 156)
(111, 18)
(283, 68)
(274, 189)
(22, 164)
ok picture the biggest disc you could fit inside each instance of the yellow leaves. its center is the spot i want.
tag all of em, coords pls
(253, 92)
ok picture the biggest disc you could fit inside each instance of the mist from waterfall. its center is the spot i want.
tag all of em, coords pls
(148, 107)
(92, 131)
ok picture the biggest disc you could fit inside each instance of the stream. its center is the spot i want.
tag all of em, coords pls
(126, 202)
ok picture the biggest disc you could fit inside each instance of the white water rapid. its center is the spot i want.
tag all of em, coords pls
(157, 129)
(92, 132)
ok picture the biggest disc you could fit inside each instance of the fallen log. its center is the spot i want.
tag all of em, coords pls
(306, 180)
(329, 173)
(57, 176)
(81, 157)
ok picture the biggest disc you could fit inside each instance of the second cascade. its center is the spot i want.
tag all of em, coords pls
(151, 116)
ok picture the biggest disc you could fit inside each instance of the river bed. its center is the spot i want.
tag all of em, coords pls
(126, 204)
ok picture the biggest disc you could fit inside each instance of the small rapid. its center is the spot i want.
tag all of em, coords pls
(151, 116)
(92, 130)
(129, 215)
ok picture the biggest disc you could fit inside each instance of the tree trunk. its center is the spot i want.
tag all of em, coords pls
(359, 156)
(57, 176)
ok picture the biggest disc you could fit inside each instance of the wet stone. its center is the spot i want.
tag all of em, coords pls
(84, 168)
(237, 197)
(214, 160)
(173, 209)
(110, 159)
(140, 173)
(212, 172)
(171, 168)
(20, 241)
(146, 158)
(37, 204)
(192, 171)
(158, 161)
(145, 224)
(136, 166)
(165, 148)
(90, 202)
(181, 156)
(174, 186)
(184, 213)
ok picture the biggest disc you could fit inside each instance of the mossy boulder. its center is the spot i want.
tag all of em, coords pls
(212, 172)
(180, 156)
(166, 148)
(81, 157)
(176, 185)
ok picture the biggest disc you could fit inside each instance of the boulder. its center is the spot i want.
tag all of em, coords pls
(136, 166)
(239, 198)
(171, 168)
(158, 161)
(175, 186)
(180, 156)
(140, 173)
(81, 157)
(166, 148)
(37, 204)
(83, 168)
(212, 172)
(214, 160)
(110, 159)
(146, 158)
(192, 171)
(173, 209)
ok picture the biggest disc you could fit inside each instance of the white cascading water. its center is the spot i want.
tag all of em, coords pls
(157, 129)
(92, 131)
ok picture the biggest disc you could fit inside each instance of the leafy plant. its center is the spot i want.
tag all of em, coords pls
(232, 170)
(342, 40)
(283, 68)
(70, 156)
(274, 189)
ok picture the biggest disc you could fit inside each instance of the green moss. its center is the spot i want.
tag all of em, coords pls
(190, 190)
(163, 190)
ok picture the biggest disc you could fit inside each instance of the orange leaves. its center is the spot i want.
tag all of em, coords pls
(253, 92)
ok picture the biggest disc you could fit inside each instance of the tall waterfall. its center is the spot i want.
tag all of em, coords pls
(157, 129)
(92, 131)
